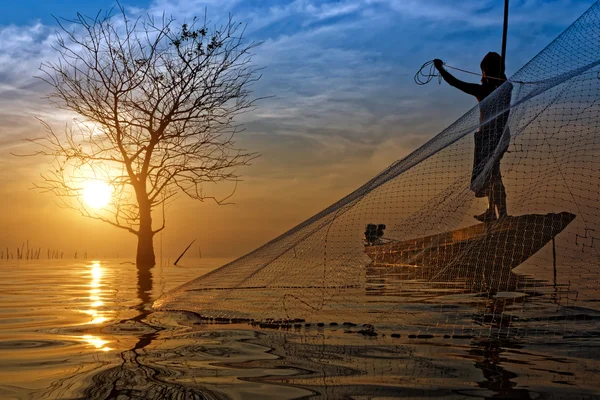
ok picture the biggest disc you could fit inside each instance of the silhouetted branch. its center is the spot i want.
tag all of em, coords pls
(157, 103)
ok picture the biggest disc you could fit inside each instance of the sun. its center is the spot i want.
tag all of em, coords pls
(96, 194)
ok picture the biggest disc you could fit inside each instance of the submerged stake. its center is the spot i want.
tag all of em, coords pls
(186, 249)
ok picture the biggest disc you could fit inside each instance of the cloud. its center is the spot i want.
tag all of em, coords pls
(330, 77)
(338, 84)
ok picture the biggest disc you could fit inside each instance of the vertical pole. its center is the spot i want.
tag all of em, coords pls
(504, 32)
(554, 260)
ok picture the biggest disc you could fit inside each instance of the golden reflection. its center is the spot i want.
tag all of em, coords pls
(96, 342)
(95, 292)
(96, 274)
(95, 296)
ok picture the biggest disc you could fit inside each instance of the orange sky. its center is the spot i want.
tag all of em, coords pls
(274, 196)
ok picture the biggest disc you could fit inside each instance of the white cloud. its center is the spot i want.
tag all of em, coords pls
(330, 79)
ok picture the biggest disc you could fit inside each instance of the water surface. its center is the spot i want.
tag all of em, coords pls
(86, 330)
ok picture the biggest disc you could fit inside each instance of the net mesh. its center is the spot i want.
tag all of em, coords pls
(425, 264)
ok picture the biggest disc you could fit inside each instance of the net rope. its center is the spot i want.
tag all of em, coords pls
(433, 267)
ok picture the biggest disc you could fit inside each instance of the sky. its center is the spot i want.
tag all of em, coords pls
(342, 106)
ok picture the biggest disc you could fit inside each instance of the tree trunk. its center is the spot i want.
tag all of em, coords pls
(145, 260)
(145, 249)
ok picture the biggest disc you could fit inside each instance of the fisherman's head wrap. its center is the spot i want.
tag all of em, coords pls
(492, 65)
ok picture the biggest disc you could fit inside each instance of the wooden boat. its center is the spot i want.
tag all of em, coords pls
(493, 248)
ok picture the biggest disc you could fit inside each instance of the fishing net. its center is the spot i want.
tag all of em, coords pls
(403, 251)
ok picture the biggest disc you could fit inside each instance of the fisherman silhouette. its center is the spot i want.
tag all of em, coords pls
(493, 136)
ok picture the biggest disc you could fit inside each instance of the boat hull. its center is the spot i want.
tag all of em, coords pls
(489, 248)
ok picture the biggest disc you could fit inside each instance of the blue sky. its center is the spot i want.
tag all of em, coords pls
(343, 107)
(25, 12)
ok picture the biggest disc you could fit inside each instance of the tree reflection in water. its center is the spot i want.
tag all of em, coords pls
(135, 378)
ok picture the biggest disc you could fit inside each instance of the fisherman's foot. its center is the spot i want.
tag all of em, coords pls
(487, 216)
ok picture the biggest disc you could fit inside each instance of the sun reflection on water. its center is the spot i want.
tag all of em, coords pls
(95, 294)
(95, 297)
(97, 342)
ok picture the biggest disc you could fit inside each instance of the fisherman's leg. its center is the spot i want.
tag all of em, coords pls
(500, 199)
(498, 192)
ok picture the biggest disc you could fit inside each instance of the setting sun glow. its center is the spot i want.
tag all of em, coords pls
(96, 194)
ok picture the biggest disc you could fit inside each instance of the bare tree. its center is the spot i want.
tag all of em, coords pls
(157, 103)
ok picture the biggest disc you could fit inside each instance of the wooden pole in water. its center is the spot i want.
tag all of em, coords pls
(554, 260)
(504, 32)
(186, 249)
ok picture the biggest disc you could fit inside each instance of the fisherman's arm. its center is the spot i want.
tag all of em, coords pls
(469, 88)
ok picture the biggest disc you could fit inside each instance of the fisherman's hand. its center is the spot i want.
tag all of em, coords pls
(439, 64)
